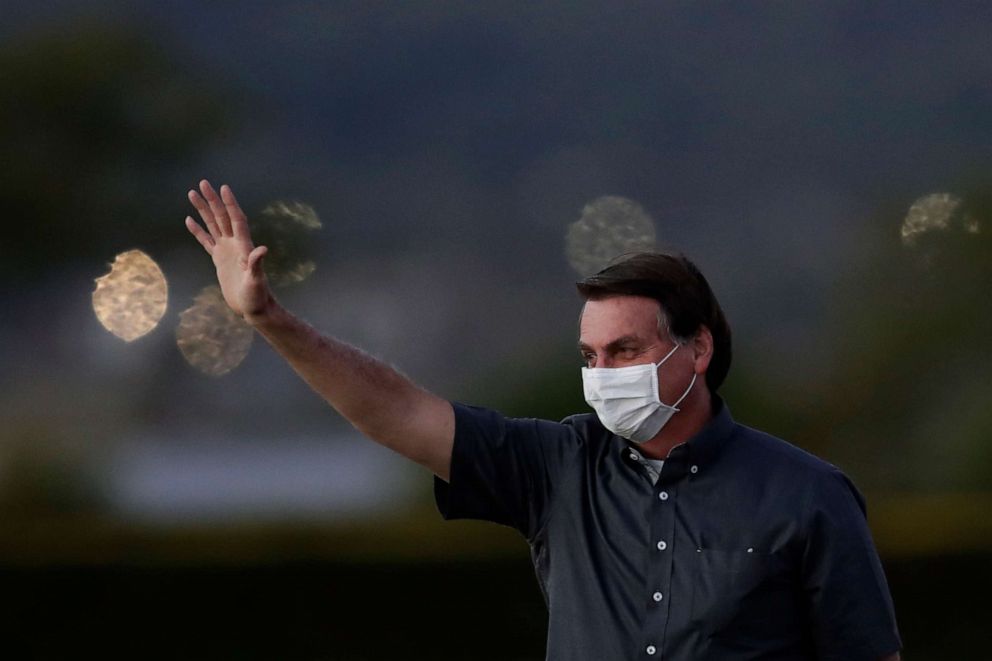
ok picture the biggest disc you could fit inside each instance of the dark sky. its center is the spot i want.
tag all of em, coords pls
(760, 136)
(477, 121)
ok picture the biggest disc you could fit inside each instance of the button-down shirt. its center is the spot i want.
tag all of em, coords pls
(743, 547)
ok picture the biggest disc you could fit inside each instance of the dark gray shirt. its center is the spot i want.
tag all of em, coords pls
(745, 548)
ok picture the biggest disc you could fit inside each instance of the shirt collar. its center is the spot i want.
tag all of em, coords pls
(708, 441)
(703, 447)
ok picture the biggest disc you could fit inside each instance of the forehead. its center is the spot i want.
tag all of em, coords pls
(606, 319)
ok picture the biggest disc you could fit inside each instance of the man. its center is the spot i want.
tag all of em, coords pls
(659, 527)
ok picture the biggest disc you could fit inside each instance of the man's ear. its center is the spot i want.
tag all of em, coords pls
(702, 349)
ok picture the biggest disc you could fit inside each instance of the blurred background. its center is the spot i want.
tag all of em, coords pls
(433, 178)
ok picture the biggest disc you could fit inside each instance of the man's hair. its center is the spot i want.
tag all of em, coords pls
(686, 300)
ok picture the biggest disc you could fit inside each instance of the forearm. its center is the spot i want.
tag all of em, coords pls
(375, 398)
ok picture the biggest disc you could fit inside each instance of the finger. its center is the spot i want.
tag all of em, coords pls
(204, 210)
(239, 222)
(216, 207)
(255, 260)
(201, 235)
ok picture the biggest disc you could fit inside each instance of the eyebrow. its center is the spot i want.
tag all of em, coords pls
(614, 345)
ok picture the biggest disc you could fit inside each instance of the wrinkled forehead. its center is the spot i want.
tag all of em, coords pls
(603, 320)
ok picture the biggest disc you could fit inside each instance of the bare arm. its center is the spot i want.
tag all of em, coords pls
(379, 401)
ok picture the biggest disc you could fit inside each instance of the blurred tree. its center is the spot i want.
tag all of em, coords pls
(906, 405)
(97, 123)
(543, 384)
(94, 121)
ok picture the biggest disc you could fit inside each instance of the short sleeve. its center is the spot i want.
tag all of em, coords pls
(850, 607)
(505, 470)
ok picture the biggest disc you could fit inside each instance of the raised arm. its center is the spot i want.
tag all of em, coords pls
(379, 401)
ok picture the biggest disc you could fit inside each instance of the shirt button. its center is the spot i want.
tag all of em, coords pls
(633, 456)
(694, 469)
(657, 596)
(663, 495)
(662, 545)
(651, 650)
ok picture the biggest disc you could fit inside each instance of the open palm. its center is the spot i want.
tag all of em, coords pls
(228, 241)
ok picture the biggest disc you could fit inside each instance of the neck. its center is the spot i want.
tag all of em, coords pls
(694, 413)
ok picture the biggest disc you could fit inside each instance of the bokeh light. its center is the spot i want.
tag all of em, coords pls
(936, 212)
(285, 228)
(131, 299)
(609, 226)
(211, 337)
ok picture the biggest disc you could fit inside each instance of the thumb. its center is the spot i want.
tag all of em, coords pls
(255, 260)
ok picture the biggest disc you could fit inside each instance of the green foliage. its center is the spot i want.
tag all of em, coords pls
(547, 384)
(93, 122)
(907, 402)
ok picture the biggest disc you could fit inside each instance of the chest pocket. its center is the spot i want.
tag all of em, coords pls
(739, 591)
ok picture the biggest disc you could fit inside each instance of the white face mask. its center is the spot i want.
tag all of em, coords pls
(626, 398)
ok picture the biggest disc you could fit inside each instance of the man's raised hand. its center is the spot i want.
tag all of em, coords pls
(228, 241)
(379, 401)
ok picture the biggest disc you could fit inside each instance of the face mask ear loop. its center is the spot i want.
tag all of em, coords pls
(668, 355)
(654, 380)
(691, 384)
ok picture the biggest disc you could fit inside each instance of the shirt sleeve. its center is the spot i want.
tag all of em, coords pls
(851, 610)
(505, 470)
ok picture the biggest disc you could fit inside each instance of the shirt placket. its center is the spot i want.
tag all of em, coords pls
(657, 595)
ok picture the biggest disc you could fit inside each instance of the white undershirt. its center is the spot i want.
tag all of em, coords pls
(652, 466)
